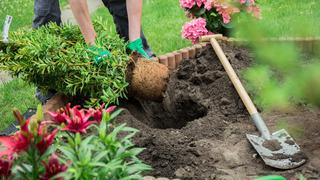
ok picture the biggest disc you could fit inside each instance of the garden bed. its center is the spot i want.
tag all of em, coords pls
(199, 130)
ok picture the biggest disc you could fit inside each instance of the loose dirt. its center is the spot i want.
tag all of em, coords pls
(199, 130)
(272, 145)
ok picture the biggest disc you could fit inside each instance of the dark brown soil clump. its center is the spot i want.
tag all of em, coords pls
(290, 142)
(298, 157)
(295, 158)
(199, 130)
(272, 145)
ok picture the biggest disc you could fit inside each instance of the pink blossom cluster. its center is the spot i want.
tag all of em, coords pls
(251, 2)
(252, 8)
(188, 4)
(223, 8)
(194, 29)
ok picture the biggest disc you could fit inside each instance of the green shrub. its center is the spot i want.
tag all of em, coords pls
(54, 57)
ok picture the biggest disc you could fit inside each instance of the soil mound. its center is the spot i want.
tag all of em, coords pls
(199, 130)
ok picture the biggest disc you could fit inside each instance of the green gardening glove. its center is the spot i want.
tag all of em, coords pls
(138, 47)
(270, 178)
(100, 54)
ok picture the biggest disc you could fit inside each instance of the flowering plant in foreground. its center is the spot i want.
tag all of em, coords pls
(214, 16)
(62, 148)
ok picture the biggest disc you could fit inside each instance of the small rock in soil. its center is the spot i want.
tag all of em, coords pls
(149, 178)
(184, 172)
(298, 157)
(290, 142)
(225, 101)
(162, 178)
(232, 158)
(219, 74)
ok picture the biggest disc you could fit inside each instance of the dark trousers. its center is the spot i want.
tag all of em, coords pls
(46, 11)
(118, 10)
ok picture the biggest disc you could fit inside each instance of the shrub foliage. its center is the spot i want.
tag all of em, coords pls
(54, 57)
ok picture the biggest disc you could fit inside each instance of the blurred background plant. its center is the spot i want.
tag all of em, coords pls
(285, 71)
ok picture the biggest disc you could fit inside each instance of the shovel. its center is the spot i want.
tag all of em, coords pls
(278, 149)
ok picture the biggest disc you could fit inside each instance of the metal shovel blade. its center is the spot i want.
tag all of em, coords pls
(280, 151)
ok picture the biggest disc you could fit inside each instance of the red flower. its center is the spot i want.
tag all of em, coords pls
(22, 139)
(78, 121)
(46, 140)
(5, 168)
(57, 118)
(53, 168)
(97, 113)
(110, 109)
(18, 142)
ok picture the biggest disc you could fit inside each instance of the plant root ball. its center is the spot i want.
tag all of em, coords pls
(148, 79)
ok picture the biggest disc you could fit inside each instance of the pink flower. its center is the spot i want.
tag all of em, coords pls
(200, 2)
(226, 10)
(208, 5)
(187, 3)
(194, 29)
(53, 168)
(249, 2)
(255, 10)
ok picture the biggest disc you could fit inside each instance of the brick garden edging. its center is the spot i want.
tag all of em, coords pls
(173, 59)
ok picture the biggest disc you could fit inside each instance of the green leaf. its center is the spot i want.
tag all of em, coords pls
(100, 156)
(69, 153)
(135, 168)
(115, 114)
(77, 139)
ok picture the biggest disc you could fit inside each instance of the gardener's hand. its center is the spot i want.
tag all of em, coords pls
(138, 47)
(100, 54)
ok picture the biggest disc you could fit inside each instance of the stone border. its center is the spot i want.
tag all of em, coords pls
(173, 59)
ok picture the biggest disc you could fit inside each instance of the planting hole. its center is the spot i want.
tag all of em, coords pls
(166, 114)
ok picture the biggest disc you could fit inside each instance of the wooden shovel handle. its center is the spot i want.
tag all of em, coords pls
(234, 78)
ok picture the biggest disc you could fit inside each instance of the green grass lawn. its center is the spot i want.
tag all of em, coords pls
(291, 17)
(162, 21)
(21, 10)
(18, 94)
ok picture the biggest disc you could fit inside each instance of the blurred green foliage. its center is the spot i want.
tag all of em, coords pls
(285, 72)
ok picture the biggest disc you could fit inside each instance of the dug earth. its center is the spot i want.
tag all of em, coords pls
(199, 129)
